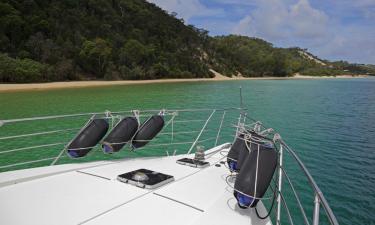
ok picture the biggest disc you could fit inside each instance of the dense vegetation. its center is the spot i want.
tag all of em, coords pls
(50, 40)
(254, 57)
(238, 55)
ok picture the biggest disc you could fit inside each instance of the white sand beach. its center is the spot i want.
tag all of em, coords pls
(80, 84)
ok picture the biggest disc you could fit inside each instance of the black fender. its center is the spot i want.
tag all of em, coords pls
(87, 138)
(148, 130)
(251, 182)
(236, 149)
(120, 135)
(240, 149)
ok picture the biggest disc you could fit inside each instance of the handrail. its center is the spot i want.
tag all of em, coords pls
(28, 162)
(319, 198)
(297, 197)
(3, 122)
(284, 203)
(45, 118)
(37, 133)
(287, 208)
(318, 193)
(31, 147)
(313, 184)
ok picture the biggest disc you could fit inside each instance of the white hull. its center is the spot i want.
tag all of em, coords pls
(88, 193)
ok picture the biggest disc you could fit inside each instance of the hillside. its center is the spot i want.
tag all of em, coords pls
(50, 40)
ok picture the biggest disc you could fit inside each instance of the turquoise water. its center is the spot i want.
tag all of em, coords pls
(329, 123)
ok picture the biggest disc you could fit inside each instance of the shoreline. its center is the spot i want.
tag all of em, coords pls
(81, 84)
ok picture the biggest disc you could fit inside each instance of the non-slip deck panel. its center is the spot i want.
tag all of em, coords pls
(199, 190)
(149, 209)
(62, 199)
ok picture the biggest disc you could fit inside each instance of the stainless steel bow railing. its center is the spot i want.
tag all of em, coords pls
(319, 199)
(41, 141)
(24, 141)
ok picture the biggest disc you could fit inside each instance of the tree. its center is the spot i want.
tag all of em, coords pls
(35, 46)
(11, 22)
(133, 53)
(95, 56)
(22, 70)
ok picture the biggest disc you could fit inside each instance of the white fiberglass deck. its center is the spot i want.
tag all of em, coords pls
(90, 194)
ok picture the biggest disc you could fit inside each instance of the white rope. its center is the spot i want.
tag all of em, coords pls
(256, 176)
(37, 133)
(188, 121)
(32, 147)
(28, 162)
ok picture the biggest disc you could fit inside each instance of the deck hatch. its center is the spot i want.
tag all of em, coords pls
(145, 178)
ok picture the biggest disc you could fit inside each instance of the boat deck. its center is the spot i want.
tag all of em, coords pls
(90, 194)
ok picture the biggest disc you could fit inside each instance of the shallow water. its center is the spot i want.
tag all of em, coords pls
(329, 123)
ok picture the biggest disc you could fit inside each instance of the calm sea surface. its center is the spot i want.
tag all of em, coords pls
(329, 123)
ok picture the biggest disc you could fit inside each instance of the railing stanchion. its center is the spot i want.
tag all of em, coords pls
(172, 133)
(316, 210)
(279, 186)
(59, 156)
(321, 198)
(218, 132)
(238, 126)
(296, 197)
(200, 133)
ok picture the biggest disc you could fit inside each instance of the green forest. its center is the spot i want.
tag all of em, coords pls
(50, 40)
